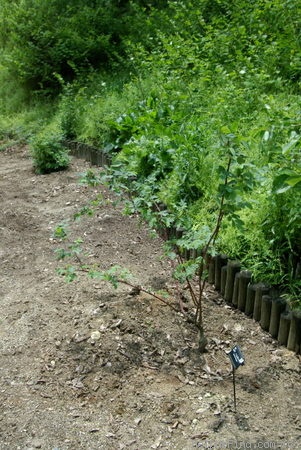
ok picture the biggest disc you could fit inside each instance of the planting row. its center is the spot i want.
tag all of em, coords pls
(257, 300)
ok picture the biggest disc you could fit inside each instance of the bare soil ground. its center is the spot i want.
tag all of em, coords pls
(84, 366)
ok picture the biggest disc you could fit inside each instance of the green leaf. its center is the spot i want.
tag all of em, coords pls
(285, 181)
(291, 144)
(186, 270)
(69, 272)
(60, 232)
(294, 181)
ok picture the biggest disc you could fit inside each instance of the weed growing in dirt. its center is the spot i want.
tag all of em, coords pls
(60, 232)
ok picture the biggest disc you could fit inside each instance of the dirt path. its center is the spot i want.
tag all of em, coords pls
(83, 366)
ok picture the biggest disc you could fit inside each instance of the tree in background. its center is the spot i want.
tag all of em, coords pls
(47, 41)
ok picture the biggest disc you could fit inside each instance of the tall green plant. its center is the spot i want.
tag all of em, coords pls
(48, 151)
(235, 179)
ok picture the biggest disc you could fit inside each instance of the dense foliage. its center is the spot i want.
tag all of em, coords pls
(169, 88)
(49, 41)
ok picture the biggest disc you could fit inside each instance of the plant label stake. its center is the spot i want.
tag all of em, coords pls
(237, 359)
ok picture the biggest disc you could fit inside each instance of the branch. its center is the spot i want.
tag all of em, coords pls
(146, 291)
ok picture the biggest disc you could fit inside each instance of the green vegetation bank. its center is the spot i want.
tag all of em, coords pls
(196, 102)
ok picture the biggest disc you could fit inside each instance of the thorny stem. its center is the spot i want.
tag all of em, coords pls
(211, 240)
(191, 291)
(146, 291)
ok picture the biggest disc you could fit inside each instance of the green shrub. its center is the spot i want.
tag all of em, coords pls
(70, 110)
(40, 47)
(48, 152)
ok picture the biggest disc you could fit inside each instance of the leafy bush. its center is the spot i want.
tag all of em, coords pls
(48, 151)
(40, 48)
(71, 108)
(171, 156)
(84, 36)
